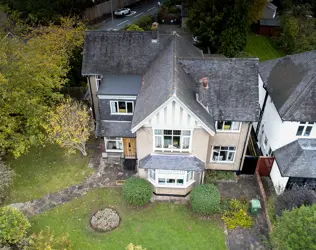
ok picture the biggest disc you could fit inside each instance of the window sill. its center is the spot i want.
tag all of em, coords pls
(222, 162)
(113, 151)
(171, 186)
(158, 150)
(121, 113)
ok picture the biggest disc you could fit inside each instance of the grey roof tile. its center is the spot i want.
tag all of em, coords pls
(121, 52)
(115, 129)
(297, 159)
(270, 22)
(120, 85)
(233, 86)
(291, 83)
(172, 162)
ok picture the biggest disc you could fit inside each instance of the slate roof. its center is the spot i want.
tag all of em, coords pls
(270, 22)
(121, 52)
(291, 84)
(297, 159)
(271, 6)
(172, 162)
(120, 85)
(233, 86)
(115, 129)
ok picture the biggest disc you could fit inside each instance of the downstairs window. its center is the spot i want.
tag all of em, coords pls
(170, 178)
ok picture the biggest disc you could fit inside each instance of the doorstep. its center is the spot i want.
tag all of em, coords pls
(170, 198)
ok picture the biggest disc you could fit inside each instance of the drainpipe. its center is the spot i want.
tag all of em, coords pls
(243, 150)
(261, 112)
(92, 101)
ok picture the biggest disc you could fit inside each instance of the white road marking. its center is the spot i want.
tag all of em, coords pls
(138, 15)
(151, 9)
(122, 22)
(132, 13)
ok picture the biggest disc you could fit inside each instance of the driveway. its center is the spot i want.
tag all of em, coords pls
(148, 8)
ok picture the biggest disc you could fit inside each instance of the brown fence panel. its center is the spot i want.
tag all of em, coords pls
(264, 165)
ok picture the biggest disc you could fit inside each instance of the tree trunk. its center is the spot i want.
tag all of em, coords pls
(83, 149)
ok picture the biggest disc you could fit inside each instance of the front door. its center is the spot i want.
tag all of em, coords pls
(129, 147)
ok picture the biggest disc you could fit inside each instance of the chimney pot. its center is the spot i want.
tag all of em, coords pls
(205, 82)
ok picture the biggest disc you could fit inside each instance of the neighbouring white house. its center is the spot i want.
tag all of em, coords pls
(286, 128)
(158, 101)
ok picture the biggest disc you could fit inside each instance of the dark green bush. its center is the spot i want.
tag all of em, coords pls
(296, 229)
(205, 199)
(13, 225)
(137, 191)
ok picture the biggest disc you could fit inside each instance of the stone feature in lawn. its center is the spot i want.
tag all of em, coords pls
(105, 220)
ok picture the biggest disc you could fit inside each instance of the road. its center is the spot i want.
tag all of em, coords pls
(150, 8)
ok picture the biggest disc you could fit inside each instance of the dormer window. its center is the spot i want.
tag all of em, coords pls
(304, 129)
(224, 126)
(122, 107)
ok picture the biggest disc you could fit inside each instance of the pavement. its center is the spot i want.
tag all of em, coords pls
(148, 8)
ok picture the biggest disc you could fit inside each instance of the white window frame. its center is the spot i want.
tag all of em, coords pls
(181, 149)
(98, 82)
(121, 113)
(117, 140)
(305, 125)
(228, 151)
(155, 174)
(228, 130)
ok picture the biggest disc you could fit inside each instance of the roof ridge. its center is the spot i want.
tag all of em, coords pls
(300, 93)
(174, 66)
(219, 58)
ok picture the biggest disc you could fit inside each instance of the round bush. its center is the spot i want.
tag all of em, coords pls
(137, 191)
(205, 199)
(13, 225)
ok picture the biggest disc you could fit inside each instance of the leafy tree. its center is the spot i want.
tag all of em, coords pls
(135, 27)
(46, 240)
(233, 39)
(6, 180)
(296, 229)
(298, 30)
(32, 70)
(69, 125)
(256, 10)
(221, 25)
(13, 225)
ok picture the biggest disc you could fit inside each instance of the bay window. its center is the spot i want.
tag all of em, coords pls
(228, 126)
(223, 154)
(113, 144)
(170, 178)
(122, 107)
(172, 140)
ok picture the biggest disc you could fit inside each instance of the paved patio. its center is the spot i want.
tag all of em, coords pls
(255, 238)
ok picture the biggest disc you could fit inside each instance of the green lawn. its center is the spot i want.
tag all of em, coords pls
(262, 47)
(158, 226)
(46, 170)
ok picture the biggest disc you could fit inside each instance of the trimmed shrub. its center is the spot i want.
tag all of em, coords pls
(6, 180)
(205, 199)
(294, 198)
(212, 176)
(237, 215)
(296, 229)
(137, 191)
(46, 240)
(13, 225)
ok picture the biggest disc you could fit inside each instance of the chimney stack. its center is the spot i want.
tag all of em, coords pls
(154, 32)
(203, 92)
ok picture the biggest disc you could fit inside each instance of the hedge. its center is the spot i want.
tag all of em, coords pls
(205, 199)
(137, 191)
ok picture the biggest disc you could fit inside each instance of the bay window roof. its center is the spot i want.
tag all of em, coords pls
(172, 162)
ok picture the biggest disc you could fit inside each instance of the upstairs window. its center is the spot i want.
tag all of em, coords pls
(122, 107)
(228, 126)
(223, 154)
(304, 129)
(98, 82)
(172, 140)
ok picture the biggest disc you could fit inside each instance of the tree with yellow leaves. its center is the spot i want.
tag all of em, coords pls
(69, 125)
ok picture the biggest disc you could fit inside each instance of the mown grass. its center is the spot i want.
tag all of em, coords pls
(157, 226)
(46, 170)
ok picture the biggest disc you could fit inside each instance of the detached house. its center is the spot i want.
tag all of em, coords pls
(157, 100)
(287, 90)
